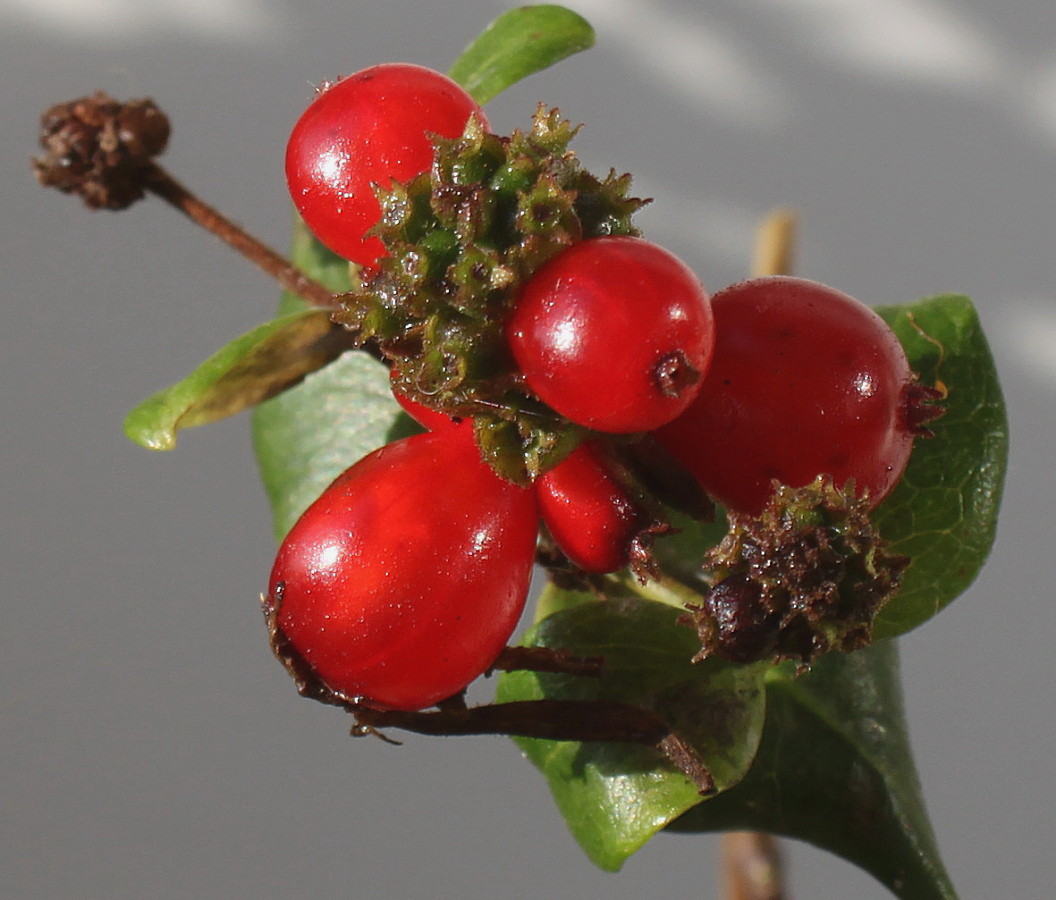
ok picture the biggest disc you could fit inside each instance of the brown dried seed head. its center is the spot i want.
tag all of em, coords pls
(100, 149)
(805, 577)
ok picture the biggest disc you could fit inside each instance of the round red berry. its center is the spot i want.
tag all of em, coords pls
(614, 333)
(373, 127)
(405, 579)
(594, 517)
(805, 381)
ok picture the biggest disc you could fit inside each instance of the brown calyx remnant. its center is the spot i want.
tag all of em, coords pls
(101, 149)
(806, 576)
(920, 409)
(673, 375)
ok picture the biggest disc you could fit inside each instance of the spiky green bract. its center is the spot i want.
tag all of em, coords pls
(461, 239)
(806, 576)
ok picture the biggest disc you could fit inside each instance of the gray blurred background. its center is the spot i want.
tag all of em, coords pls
(151, 747)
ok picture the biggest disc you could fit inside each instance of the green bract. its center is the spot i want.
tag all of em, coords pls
(461, 239)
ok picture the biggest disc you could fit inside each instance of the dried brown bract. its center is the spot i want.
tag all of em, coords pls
(806, 576)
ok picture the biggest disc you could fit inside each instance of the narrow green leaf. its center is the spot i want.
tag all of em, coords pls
(307, 436)
(943, 515)
(517, 44)
(253, 367)
(614, 797)
(834, 768)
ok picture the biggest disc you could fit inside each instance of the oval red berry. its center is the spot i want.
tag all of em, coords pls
(589, 510)
(805, 381)
(406, 578)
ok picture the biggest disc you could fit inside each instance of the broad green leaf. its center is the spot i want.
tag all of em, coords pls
(258, 365)
(834, 768)
(943, 515)
(614, 797)
(517, 44)
(307, 436)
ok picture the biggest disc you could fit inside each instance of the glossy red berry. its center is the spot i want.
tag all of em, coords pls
(370, 128)
(591, 513)
(614, 333)
(406, 578)
(805, 381)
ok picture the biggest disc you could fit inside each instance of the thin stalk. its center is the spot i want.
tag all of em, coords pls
(751, 866)
(160, 183)
(664, 589)
(751, 860)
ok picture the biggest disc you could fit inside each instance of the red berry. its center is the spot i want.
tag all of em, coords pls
(406, 578)
(614, 333)
(370, 128)
(805, 381)
(590, 512)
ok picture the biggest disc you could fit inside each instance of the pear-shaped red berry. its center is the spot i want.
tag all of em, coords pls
(405, 579)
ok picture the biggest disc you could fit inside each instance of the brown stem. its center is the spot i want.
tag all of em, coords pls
(548, 659)
(751, 866)
(161, 183)
(555, 720)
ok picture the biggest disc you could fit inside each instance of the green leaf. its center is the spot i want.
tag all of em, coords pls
(517, 44)
(614, 797)
(307, 436)
(834, 768)
(681, 554)
(255, 366)
(943, 514)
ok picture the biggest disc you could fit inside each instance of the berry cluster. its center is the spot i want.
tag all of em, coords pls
(538, 337)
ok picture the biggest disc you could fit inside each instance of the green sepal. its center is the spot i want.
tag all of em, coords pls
(460, 240)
